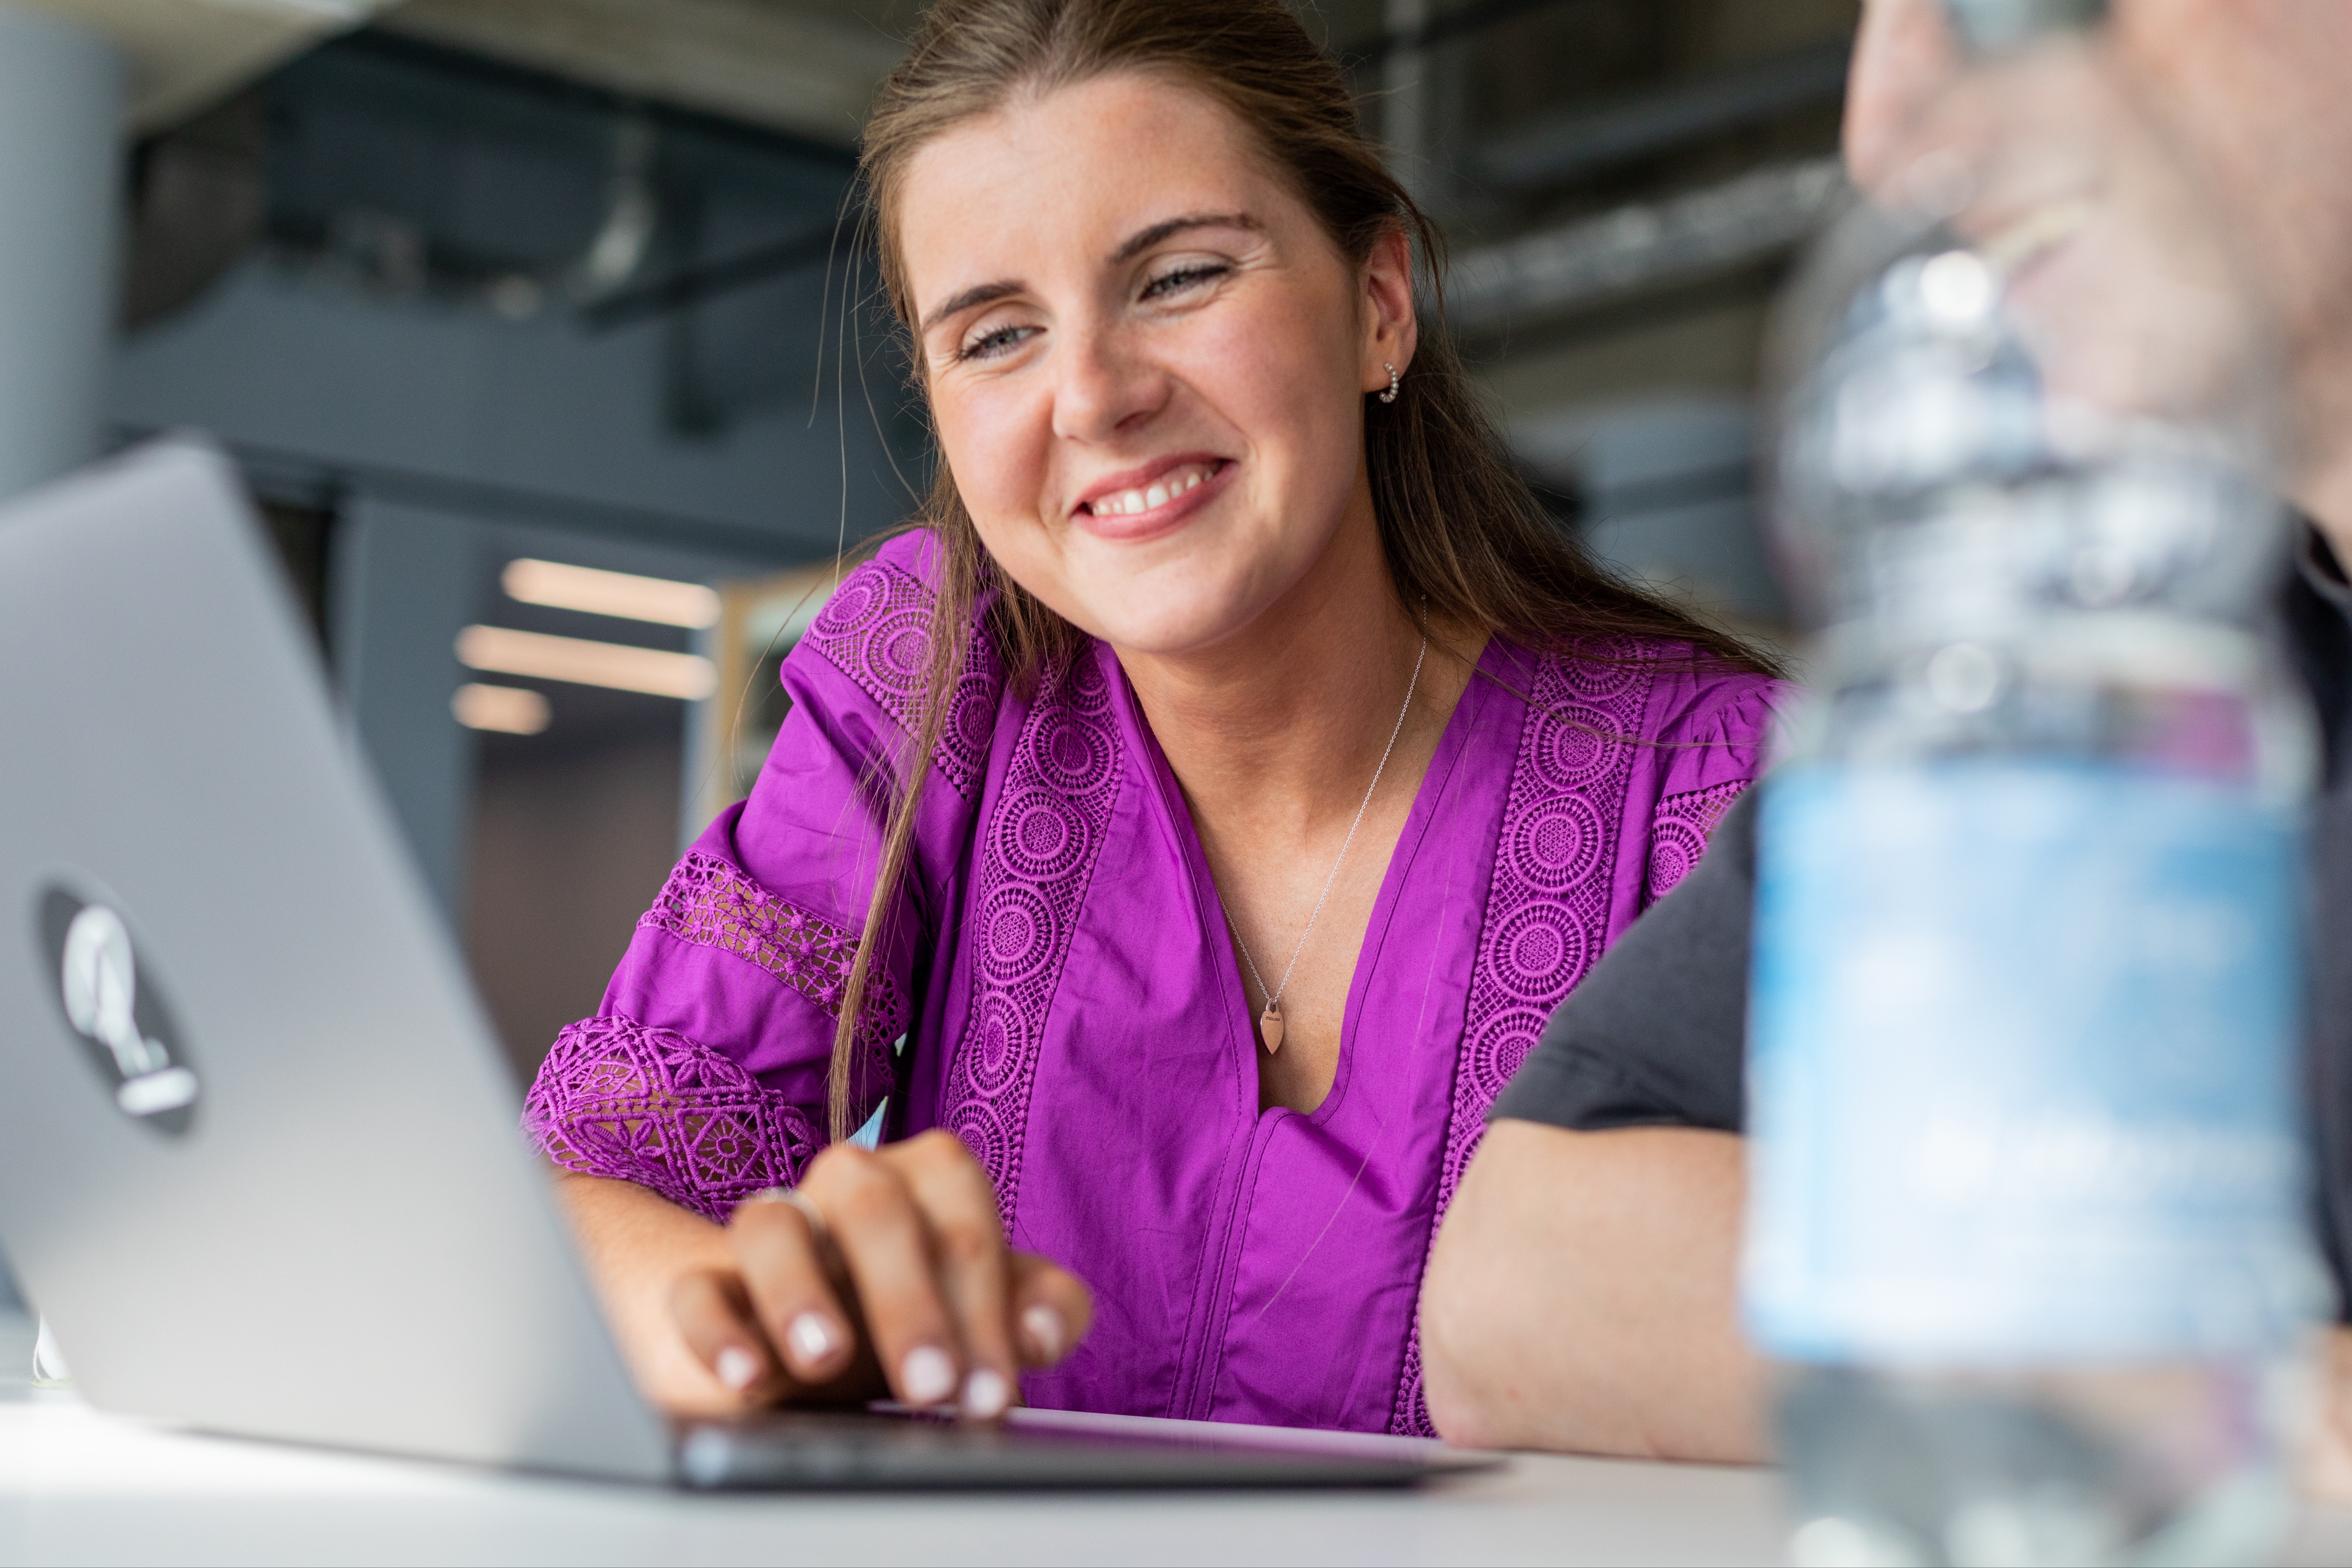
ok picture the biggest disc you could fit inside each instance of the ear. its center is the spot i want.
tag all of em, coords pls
(1392, 329)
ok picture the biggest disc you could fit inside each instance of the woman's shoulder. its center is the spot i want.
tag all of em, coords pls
(870, 645)
(875, 625)
(1665, 690)
(1704, 724)
(899, 577)
(1698, 697)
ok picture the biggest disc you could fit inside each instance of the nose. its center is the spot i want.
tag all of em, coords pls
(1902, 56)
(1106, 384)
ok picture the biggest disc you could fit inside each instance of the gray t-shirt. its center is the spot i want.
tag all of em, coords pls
(1656, 1035)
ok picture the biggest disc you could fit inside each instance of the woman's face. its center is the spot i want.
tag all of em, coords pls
(1146, 360)
(2252, 90)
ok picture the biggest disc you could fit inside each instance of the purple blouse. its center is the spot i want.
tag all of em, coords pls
(1072, 1009)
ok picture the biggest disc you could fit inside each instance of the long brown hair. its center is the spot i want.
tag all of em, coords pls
(1464, 537)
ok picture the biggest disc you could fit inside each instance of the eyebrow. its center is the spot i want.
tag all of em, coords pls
(1136, 244)
(1144, 239)
(979, 294)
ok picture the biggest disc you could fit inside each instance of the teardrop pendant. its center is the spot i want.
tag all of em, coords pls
(1269, 1026)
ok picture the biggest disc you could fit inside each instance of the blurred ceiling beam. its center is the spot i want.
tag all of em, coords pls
(760, 61)
(1645, 246)
(1446, 27)
(699, 285)
(186, 56)
(1688, 111)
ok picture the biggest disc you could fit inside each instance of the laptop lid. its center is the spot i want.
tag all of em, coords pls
(258, 1158)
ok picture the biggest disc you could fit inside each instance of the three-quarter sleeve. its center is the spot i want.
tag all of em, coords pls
(1714, 753)
(703, 1074)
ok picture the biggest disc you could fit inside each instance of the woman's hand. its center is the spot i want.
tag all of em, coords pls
(886, 1268)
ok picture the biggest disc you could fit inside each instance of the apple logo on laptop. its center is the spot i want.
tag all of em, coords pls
(119, 1012)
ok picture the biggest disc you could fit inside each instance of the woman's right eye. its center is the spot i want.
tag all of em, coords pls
(994, 342)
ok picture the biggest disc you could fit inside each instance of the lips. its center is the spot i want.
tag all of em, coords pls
(1146, 489)
(1136, 499)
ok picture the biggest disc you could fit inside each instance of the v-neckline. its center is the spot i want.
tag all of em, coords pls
(1209, 900)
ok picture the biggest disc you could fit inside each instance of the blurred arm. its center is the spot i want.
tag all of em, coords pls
(1582, 1292)
(1582, 1297)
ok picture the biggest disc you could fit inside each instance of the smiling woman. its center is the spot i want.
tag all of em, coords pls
(1227, 644)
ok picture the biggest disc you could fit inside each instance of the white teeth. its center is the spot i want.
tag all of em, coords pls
(1128, 503)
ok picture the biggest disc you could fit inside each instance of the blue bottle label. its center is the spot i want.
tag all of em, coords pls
(2023, 1064)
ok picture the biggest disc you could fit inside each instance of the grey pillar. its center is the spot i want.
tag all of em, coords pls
(61, 94)
(406, 581)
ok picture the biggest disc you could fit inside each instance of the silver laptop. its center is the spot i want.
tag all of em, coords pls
(258, 1156)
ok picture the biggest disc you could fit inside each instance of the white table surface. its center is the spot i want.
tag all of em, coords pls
(76, 1486)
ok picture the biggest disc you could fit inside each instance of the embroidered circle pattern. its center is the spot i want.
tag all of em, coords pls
(1040, 833)
(1618, 667)
(1017, 931)
(1547, 907)
(1675, 848)
(1536, 944)
(972, 723)
(876, 630)
(1037, 859)
(1558, 843)
(1574, 744)
(999, 1039)
(1068, 754)
(1678, 837)
(981, 1124)
(901, 648)
(1500, 1048)
(861, 596)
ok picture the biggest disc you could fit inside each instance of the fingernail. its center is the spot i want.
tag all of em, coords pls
(738, 1369)
(810, 1338)
(927, 1375)
(985, 1394)
(1043, 1327)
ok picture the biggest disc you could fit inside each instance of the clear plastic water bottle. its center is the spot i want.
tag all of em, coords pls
(2028, 1230)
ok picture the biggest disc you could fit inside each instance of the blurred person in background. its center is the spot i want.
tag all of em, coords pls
(1582, 1294)
(1182, 830)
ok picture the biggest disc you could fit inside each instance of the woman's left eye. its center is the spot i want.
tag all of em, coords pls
(1181, 279)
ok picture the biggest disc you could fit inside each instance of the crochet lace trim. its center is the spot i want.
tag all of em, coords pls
(876, 630)
(709, 902)
(1679, 832)
(1547, 912)
(1037, 857)
(619, 1098)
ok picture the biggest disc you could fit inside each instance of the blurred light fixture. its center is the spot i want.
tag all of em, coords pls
(505, 651)
(620, 594)
(509, 710)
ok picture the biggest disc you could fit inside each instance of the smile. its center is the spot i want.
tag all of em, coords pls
(1130, 502)
(1149, 497)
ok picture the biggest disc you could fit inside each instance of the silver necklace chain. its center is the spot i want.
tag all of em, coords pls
(1274, 997)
